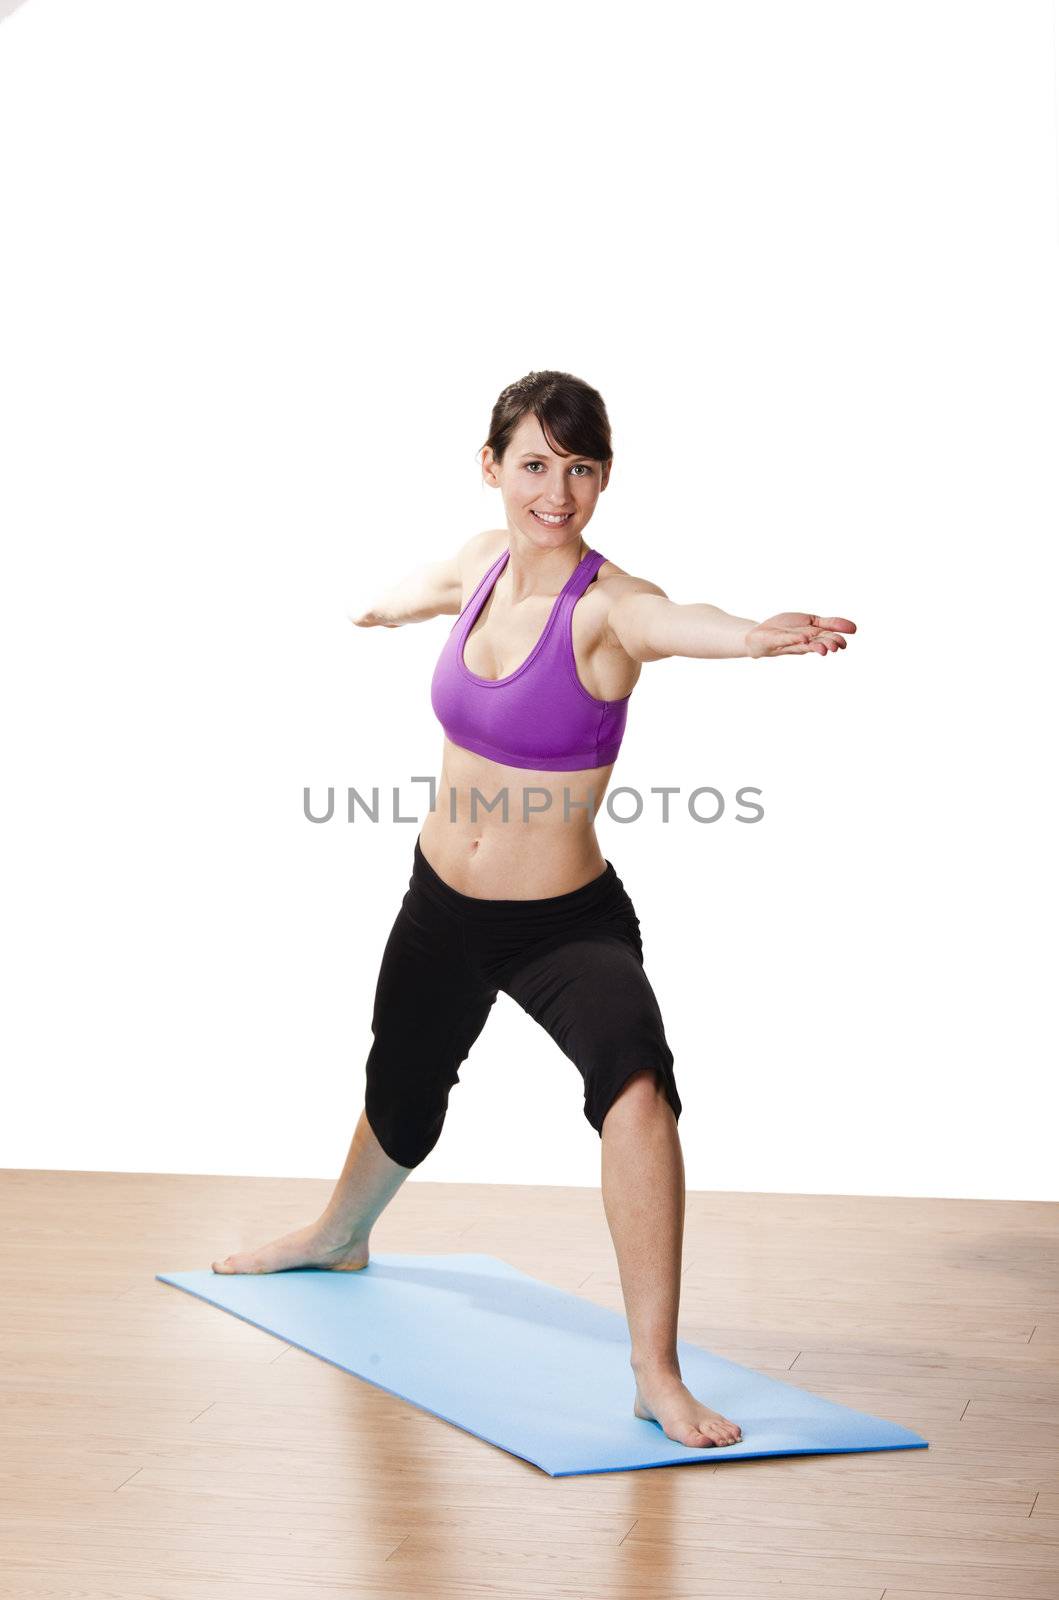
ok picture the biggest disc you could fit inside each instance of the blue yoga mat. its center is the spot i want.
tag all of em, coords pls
(541, 1373)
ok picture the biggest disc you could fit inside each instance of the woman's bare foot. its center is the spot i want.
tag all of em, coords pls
(313, 1246)
(662, 1397)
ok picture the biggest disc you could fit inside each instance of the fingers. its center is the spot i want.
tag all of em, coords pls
(797, 633)
(821, 645)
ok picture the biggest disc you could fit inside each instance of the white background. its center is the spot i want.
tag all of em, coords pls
(265, 270)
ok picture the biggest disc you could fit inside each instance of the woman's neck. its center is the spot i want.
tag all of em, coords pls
(539, 571)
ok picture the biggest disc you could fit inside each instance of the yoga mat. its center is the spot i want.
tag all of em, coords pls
(538, 1372)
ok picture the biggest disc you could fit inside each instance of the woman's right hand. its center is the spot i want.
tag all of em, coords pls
(371, 619)
(433, 589)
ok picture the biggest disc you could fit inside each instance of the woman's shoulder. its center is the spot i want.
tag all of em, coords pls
(613, 582)
(476, 556)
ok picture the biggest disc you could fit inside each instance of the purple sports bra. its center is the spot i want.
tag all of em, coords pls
(540, 715)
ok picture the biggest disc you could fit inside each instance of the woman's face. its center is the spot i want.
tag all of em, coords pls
(548, 497)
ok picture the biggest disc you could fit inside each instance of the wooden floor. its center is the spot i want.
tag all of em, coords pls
(156, 1448)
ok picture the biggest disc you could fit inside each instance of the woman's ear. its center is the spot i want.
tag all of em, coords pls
(490, 467)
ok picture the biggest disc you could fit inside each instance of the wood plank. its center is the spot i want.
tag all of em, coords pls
(158, 1449)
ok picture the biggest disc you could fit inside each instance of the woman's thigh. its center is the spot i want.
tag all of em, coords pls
(430, 1006)
(592, 995)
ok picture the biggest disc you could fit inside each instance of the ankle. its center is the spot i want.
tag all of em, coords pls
(655, 1366)
(338, 1234)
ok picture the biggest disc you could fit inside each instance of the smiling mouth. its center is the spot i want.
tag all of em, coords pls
(552, 522)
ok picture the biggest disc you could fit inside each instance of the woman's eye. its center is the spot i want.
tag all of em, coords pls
(577, 467)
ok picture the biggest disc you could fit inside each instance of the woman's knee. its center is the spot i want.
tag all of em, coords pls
(641, 1092)
(406, 1104)
(406, 1140)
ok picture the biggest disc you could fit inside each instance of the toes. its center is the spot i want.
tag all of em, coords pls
(719, 1436)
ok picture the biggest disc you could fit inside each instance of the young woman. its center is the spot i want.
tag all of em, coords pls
(509, 889)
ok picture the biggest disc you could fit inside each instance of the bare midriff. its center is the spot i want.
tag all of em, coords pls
(546, 846)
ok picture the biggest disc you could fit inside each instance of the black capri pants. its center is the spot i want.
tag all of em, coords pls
(573, 961)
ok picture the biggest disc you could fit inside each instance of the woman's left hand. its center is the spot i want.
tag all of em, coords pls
(793, 633)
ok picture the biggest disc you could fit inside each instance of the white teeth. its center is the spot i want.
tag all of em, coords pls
(544, 517)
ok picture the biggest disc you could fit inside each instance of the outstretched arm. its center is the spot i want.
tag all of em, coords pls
(431, 590)
(649, 627)
(425, 592)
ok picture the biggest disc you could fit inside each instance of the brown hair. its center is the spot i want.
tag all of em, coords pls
(570, 411)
